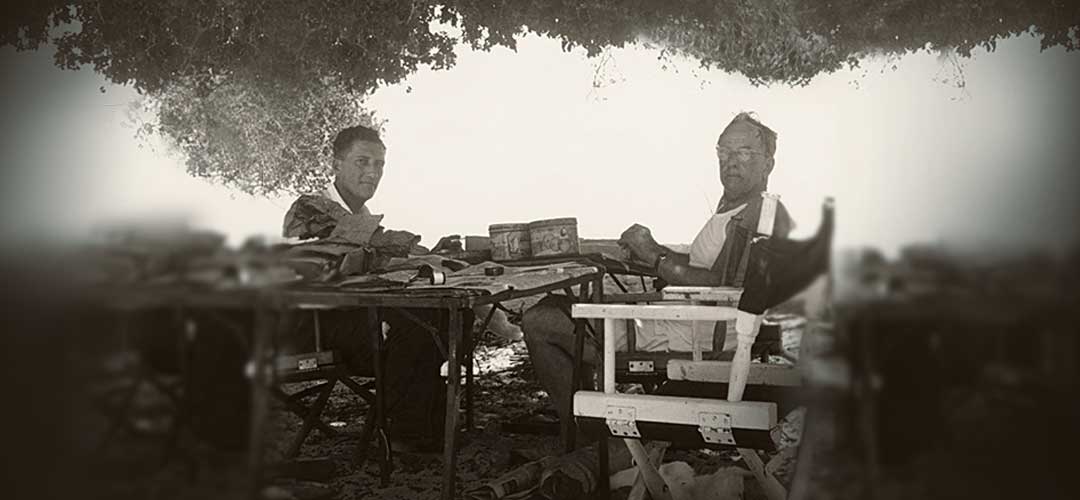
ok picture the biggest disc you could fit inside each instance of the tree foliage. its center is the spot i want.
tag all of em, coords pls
(257, 136)
(235, 76)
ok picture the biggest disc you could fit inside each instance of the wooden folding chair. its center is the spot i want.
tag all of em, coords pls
(687, 421)
(694, 421)
(321, 365)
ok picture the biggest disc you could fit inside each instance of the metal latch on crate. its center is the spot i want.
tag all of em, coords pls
(715, 428)
(622, 421)
(641, 367)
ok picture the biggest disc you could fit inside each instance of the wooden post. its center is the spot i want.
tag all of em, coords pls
(746, 326)
(609, 355)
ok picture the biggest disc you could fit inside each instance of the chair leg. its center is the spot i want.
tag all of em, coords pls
(366, 432)
(638, 490)
(313, 418)
(364, 391)
(310, 391)
(773, 489)
(369, 431)
(654, 482)
(301, 411)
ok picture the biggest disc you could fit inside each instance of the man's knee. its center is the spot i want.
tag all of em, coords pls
(548, 320)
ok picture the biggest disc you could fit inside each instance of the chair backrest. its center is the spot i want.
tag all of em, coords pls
(736, 256)
(636, 366)
(311, 365)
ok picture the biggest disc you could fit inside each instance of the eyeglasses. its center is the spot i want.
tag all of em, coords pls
(742, 154)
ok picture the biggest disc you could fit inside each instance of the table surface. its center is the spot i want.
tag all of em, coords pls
(465, 288)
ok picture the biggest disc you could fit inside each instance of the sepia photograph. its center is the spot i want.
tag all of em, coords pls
(540, 249)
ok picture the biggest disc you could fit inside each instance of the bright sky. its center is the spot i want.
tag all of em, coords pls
(516, 137)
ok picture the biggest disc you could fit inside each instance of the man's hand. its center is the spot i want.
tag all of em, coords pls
(639, 241)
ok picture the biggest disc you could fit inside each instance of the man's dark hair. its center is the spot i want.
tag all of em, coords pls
(346, 138)
(766, 134)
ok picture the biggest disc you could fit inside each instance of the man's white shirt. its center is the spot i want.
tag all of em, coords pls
(333, 194)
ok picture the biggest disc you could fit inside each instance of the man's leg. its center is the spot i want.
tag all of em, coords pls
(414, 396)
(416, 401)
(549, 335)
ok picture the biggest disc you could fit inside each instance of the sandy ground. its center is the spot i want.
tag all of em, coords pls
(506, 388)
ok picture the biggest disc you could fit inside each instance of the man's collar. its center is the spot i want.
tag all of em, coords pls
(333, 194)
(750, 200)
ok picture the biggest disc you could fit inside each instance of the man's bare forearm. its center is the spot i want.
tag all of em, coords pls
(675, 269)
(680, 272)
(681, 258)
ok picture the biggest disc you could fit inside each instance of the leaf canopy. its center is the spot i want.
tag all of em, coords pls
(252, 90)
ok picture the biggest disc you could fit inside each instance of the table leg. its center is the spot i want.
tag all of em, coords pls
(453, 381)
(260, 397)
(375, 329)
(566, 425)
(470, 351)
(189, 330)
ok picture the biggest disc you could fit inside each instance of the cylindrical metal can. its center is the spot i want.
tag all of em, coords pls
(554, 237)
(510, 241)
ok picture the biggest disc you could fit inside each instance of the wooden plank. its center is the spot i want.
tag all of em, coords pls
(632, 297)
(702, 293)
(720, 372)
(609, 356)
(677, 410)
(668, 312)
(684, 436)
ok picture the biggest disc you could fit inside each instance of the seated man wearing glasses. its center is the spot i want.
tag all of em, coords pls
(745, 152)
